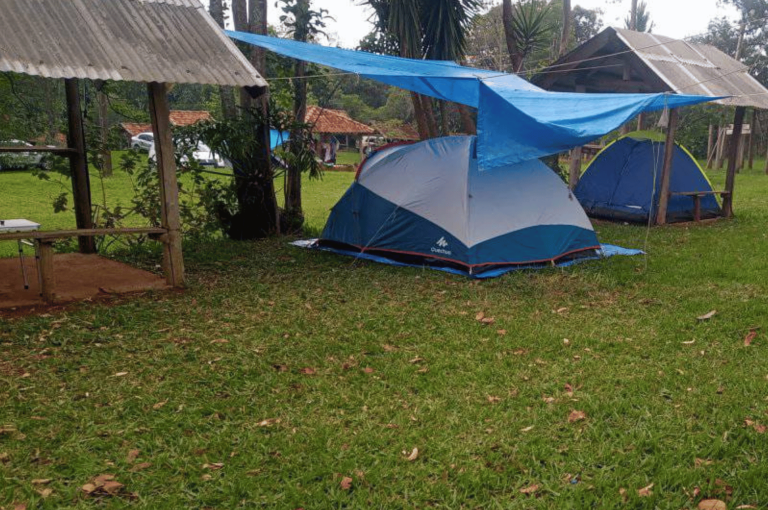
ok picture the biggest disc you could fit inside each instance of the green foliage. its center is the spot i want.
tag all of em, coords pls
(642, 19)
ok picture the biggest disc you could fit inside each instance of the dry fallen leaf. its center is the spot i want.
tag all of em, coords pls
(548, 400)
(20, 506)
(576, 416)
(623, 494)
(45, 492)
(527, 429)
(414, 455)
(388, 348)
(750, 336)
(493, 400)
(132, 456)
(280, 368)
(220, 341)
(206, 477)
(689, 342)
(712, 504)
(88, 488)
(488, 320)
(268, 422)
(213, 466)
(159, 404)
(368, 370)
(479, 316)
(416, 360)
(707, 316)
(702, 462)
(121, 374)
(141, 466)
(532, 489)
(308, 371)
(501, 332)
(41, 481)
(745, 507)
(569, 389)
(645, 491)
(346, 483)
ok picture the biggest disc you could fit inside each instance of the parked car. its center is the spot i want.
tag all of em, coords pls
(143, 141)
(202, 154)
(19, 160)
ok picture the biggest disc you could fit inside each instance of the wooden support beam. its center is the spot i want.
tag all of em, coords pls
(722, 136)
(710, 146)
(574, 170)
(173, 260)
(730, 176)
(78, 165)
(666, 170)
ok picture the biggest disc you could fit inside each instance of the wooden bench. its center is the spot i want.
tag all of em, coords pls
(696, 196)
(44, 248)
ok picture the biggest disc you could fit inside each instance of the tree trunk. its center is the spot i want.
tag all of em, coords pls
(633, 16)
(105, 153)
(752, 133)
(418, 113)
(293, 206)
(258, 24)
(740, 44)
(429, 114)
(240, 17)
(467, 121)
(515, 57)
(444, 124)
(565, 38)
(228, 108)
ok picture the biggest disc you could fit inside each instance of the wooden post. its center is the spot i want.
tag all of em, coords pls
(574, 170)
(360, 147)
(78, 166)
(666, 170)
(730, 176)
(740, 157)
(722, 137)
(751, 147)
(45, 267)
(173, 261)
(710, 146)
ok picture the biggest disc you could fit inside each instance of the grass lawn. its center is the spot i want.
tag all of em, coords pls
(291, 379)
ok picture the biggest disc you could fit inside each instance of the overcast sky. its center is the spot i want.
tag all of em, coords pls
(673, 18)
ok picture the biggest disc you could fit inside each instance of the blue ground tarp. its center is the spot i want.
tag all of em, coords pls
(606, 251)
(517, 121)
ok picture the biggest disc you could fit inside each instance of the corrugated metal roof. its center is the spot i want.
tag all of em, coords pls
(166, 41)
(668, 65)
(701, 69)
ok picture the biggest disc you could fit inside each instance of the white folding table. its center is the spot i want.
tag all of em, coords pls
(16, 226)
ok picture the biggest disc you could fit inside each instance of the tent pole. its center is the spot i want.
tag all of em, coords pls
(733, 154)
(78, 165)
(574, 170)
(666, 170)
(173, 261)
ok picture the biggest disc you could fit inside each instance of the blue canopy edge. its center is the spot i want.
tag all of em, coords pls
(517, 121)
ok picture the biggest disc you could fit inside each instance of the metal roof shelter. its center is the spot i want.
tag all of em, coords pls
(157, 42)
(620, 60)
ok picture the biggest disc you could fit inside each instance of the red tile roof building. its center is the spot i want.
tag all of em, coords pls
(337, 122)
(179, 118)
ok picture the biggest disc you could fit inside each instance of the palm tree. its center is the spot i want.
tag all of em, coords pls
(433, 29)
(525, 28)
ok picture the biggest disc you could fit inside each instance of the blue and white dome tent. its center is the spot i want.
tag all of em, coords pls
(429, 202)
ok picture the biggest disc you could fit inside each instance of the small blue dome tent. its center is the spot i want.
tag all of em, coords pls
(428, 203)
(623, 182)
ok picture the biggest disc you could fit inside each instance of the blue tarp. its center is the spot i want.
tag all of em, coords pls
(277, 138)
(517, 121)
(606, 251)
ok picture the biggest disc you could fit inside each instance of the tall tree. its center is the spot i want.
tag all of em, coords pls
(565, 36)
(228, 108)
(526, 28)
(639, 18)
(303, 23)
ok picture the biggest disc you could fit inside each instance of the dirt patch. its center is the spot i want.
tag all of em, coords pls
(77, 277)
